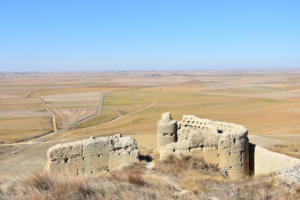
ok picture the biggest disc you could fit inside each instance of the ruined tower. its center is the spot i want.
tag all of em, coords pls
(166, 130)
(222, 144)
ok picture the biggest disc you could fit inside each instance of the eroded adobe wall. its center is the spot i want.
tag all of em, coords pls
(91, 156)
(166, 130)
(222, 144)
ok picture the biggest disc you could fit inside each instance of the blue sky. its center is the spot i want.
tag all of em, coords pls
(148, 34)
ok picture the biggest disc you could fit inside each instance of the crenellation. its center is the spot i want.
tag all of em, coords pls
(220, 143)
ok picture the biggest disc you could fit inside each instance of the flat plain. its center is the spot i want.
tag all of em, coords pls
(267, 103)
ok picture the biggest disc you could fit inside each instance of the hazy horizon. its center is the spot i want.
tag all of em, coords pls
(160, 70)
(155, 35)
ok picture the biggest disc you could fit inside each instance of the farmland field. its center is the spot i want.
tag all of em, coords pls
(22, 118)
(35, 105)
(259, 115)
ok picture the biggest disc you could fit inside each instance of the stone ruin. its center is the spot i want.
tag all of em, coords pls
(91, 156)
(222, 144)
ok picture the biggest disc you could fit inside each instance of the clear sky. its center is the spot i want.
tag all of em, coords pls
(61, 35)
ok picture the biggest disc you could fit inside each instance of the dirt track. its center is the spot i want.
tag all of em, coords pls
(39, 140)
(66, 117)
(119, 116)
(31, 156)
(54, 124)
(27, 161)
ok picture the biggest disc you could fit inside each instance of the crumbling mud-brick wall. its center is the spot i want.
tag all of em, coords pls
(166, 130)
(91, 156)
(222, 144)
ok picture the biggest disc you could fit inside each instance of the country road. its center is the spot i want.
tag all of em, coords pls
(54, 123)
(54, 133)
(30, 155)
(131, 113)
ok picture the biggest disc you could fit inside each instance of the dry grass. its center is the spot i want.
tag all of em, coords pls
(201, 180)
(178, 167)
(66, 117)
(260, 116)
(22, 118)
(193, 174)
(75, 90)
(105, 116)
(132, 174)
(135, 177)
(19, 135)
(15, 129)
(109, 187)
(204, 181)
(178, 92)
(20, 101)
(6, 148)
(292, 150)
(248, 90)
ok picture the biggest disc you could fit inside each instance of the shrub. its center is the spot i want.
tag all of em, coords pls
(135, 177)
(39, 181)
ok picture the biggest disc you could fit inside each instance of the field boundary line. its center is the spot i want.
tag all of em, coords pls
(52, 134)
(53, 116)
(128, 114)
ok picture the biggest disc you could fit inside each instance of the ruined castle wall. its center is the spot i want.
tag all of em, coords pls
(91, 156)
(166, 130)
(222, 144)
(234, 154)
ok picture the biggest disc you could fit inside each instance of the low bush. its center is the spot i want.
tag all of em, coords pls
(182, 179)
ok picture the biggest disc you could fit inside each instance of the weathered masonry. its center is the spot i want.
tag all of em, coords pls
(91, 156)
(222, 144)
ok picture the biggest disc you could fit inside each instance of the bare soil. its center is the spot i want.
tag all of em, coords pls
(267, 103)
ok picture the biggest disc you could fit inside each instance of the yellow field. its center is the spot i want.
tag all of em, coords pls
(267, 103)
(20, 101)
(260, 116)
(74, 90)
(22, 118)
(16, 129)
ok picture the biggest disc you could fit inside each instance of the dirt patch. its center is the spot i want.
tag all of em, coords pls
(66, 117)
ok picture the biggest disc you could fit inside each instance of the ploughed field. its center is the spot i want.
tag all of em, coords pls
(69, 108)
(266, 103)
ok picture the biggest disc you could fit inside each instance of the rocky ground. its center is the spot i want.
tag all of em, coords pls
(291, 174)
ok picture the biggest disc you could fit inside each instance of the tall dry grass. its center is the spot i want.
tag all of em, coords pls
(205, 181)
(292, 150)
(124, 185)
(201, 181)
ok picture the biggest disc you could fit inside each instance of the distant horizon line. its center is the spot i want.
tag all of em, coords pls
(154, 70)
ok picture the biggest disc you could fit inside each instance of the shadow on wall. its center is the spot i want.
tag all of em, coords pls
(146, 158)
(251, 159)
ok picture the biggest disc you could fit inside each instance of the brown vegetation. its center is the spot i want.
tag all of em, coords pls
(204, 181)
(264, 102)
(102, 187)
(292, 150)
(6, 148)
(243, 98)
(199, 179)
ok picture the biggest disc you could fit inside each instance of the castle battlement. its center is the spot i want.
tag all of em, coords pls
(222, 144)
